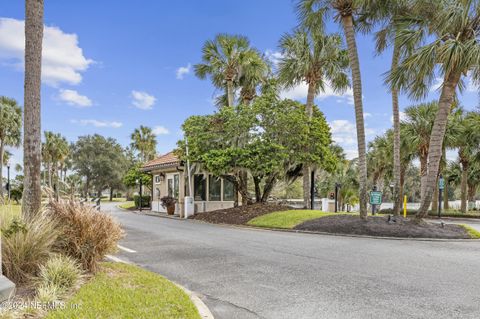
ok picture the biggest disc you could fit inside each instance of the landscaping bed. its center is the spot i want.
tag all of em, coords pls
(379, 226)
(238, 215)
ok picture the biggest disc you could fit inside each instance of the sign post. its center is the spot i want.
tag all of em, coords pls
(441, 186)
(375, 199)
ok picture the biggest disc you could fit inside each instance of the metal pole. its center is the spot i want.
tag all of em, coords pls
(336, 196)
(440, 191)
(190, 191)
(373, 205)
(140, 194)
(8, 182)
(312, 189)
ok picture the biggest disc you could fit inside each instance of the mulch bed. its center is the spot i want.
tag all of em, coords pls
(379, 226)
(238, 215)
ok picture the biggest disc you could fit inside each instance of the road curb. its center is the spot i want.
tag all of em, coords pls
(310, 232)
(202, 308)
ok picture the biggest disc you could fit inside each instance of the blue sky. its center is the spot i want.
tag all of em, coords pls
(111, 66)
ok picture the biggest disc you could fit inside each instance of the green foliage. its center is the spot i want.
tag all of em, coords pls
(145, 200)
(135, 174)
(126, 291)
(144, 142)
(100, 160)
(266, 138)
(16, 195)
(61, 272)
(474, 234)
(10, 122)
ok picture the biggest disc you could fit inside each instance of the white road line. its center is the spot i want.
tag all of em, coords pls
(128, 250)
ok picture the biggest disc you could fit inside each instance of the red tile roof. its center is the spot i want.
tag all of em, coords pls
(166, 160)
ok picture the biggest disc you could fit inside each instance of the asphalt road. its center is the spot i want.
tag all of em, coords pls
(243, 273)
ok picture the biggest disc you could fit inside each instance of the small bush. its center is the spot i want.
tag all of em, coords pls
(48, 293)
(145, 201)
(167, 201)
(86, 234)
(26, 245)
(60, 271)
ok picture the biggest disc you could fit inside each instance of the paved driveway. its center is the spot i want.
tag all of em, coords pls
(245, 273)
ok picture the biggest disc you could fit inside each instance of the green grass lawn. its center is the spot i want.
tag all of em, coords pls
(127, 205)
(287, 219)
(474, 234)
(126, 291)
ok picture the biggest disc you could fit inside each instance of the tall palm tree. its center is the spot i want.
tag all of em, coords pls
(223, 59)
(311, 57)
(55, 150)
(145, 142)
(32, 153)
(10, 129)
(253, 74)
(416, 130)
(450, 47)
(389, 14)
(313, 13)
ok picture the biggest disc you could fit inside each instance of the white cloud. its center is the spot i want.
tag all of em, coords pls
(274, 57)
(344, 132)
(97, 123)
(351, 153)
(182, 71)
(62, 58)
(143, 100)
(160, 130)
(437, 83)
(300, 92)
(72, 97)
(366, 114)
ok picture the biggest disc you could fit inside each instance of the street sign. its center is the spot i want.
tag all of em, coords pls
(441, 183)
(375, 198)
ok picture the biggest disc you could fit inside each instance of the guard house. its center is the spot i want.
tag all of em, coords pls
(170, 179)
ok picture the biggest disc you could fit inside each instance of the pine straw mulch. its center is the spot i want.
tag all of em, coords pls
(379, 226)
(239, 215)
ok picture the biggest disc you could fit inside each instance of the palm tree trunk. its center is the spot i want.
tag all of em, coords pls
(435, 198)
(2, 153)
(32, 153)
(230, 92)
(423, 174)
(463, 188)
(436, 140)
(396, 136)
(445, 189)
(347, 23)
(306, 168)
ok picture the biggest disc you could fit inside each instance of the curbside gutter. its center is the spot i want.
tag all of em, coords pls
(202, 308)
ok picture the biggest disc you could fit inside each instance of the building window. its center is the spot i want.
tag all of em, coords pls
(199, 188)
(170, 187)
(157, 179)
(172, 184)
(215, 188)
(228, 190)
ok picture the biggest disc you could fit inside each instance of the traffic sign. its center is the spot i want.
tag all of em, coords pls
(441, 183)
(375, 198)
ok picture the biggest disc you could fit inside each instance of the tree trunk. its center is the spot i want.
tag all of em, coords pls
(347, 22)
(111, 194)
(306, 169)
(463, 188)
(230, 92)
(2, 153)
(436, 140)
(397, 200)
(435, 198)
(32, 144)
(267, 189)
(258, 195)
(423, 174)
(402, 183)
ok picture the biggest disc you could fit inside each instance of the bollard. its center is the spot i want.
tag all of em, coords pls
(405, 206)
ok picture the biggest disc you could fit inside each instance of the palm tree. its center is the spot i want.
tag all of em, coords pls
(10, 129)
(55, 150)
(32, 153)
(223, 59)
(145, 142)
(416, 130)
(318, 60)
(466, 139)
(312, 13)
(453, 51)
(389, 14)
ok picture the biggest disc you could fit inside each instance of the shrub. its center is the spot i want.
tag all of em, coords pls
(60, 271)
(26, 245)
(86, 234)
(145, 200)
(16, 195)
(48, 293)
(167, 201)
